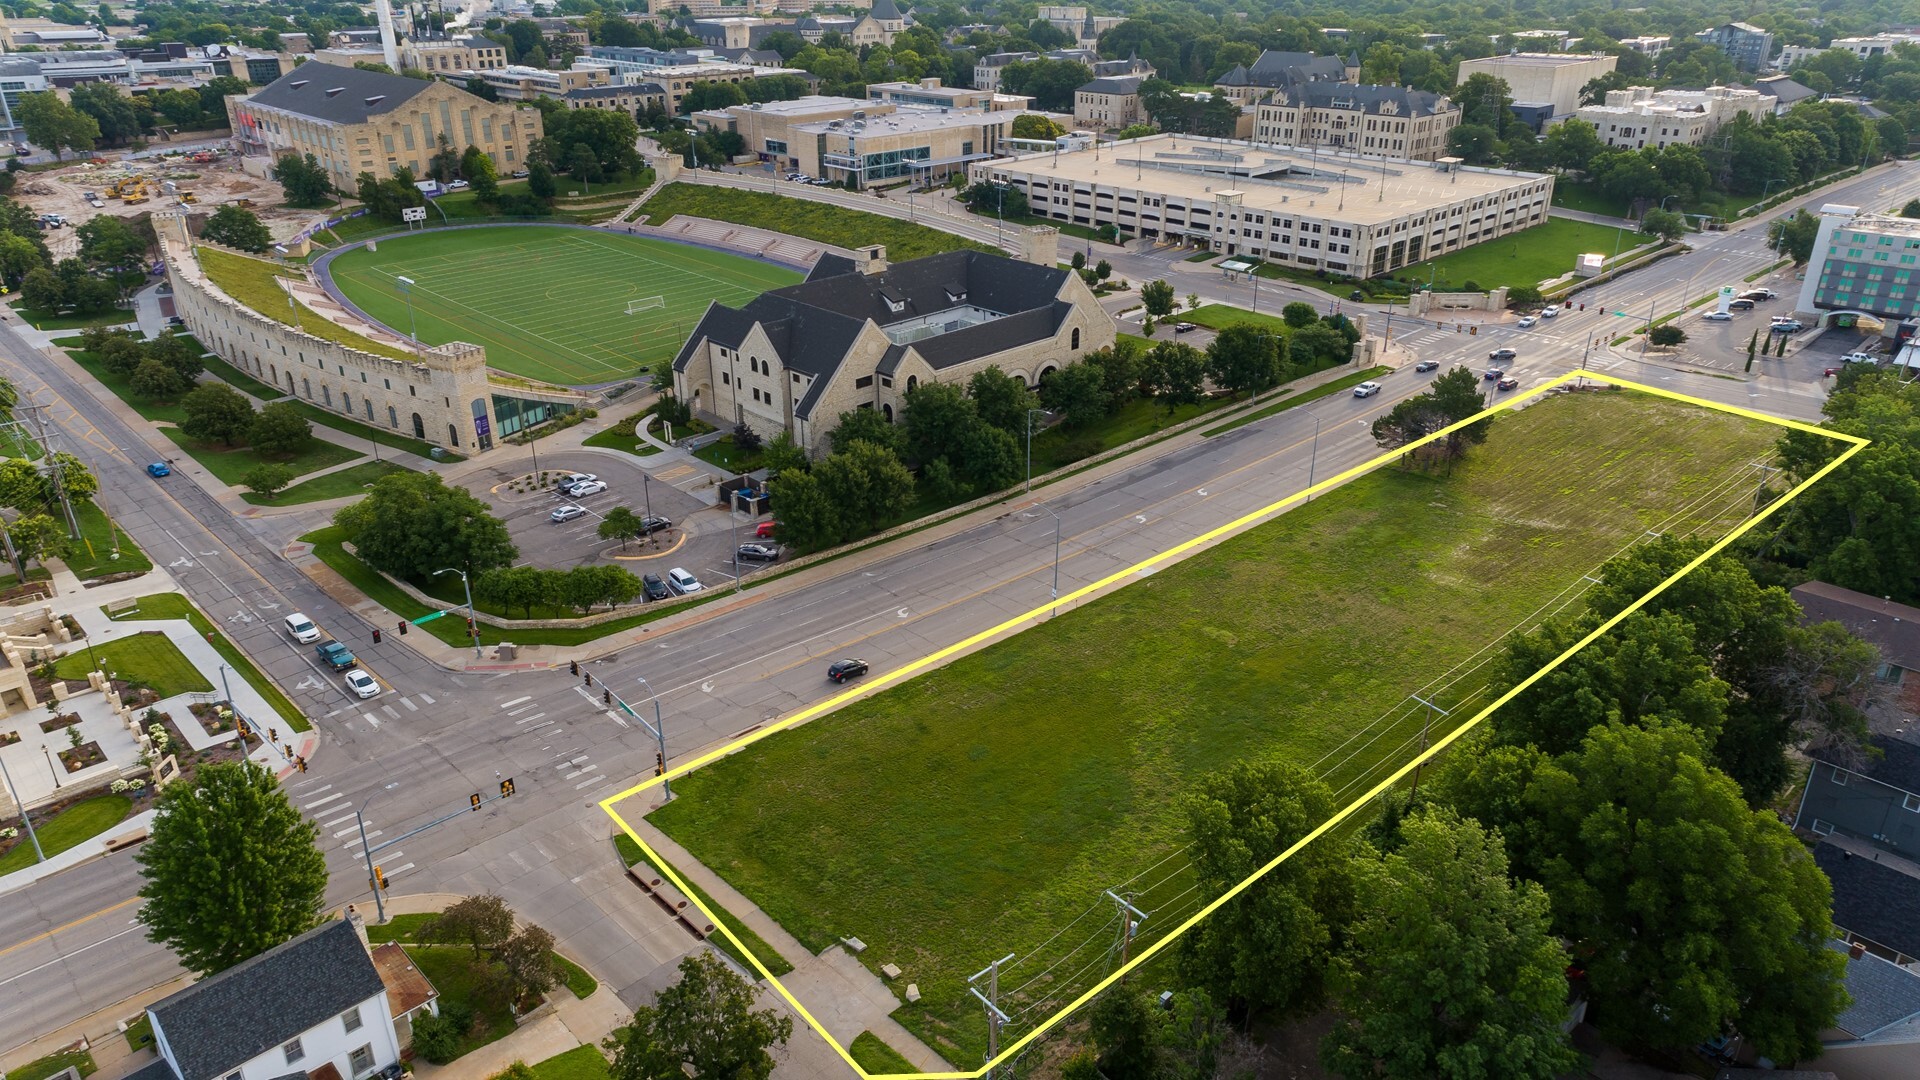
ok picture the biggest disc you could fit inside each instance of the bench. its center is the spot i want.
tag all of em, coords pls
(671, 899)
(122, 843)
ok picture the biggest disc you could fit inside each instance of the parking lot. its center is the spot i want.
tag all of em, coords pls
(700, 540)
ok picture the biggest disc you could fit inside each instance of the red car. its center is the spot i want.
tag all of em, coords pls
(763, 531)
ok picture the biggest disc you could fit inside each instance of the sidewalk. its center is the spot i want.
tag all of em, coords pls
(101, 1033)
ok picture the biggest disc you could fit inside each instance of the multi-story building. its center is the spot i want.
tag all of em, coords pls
(1308, 209)
(629, 98)
(678, 72)
(563, 30)
(518, 82)
(987, 69)
(861, 334)
(1878, 45)
(354, 121)
(18, 76)
(1784, 91)
(930, 94)
(256, 66)
(1543, 40)
(861, 143)
(349, 55)
(1649, 45)
(1109, 104)
(1083, 24)
(1246, 84)
(1748, 46)
(445, 55)
(1374, 121)
(1543, 79)
(1640, 116)
(1866, 263)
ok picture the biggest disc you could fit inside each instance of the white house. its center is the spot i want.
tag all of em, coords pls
(316, 1006)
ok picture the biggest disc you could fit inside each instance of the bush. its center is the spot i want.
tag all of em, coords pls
(437, 1038)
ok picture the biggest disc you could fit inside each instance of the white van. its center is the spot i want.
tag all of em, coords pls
(302, 628)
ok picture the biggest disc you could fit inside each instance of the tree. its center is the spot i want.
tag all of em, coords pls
(1911, 210)
(1523, 296)
(864, 425)
(619, 523)
(55, 125)
(43, 290)
(1666, 335)
(1619, 832)
(267, 480)
(1174, 370)
(1267, 949)
(412, 524)
(216, 412)
(1036, 126)
(1451, 968)
(783, 453)
(1002, 199)
(156, 381)
(1572, 144)
(1794, 236)
(1158, 298)
(808, 519)
(1050, 83)
(705, 1020)
(937, 419)
(237, 227)
(482, 89)
(23, 486)
(868, 484)
(39, 537)
(1078, 392)
(511, 587)
(120, 117)
(1244, 357)
(1666, 224)
(19, 256)
(540, 182)
(1001, 400)
(1299, 314)
(478, 169)
(231, 868)
(304, 180)
(527, 957)
(110, 246)
(279, 428)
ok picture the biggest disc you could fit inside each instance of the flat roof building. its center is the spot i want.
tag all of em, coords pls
(1640, 116)
(1863, 262)
(1297, 207)
(929, 93)
(859, 142)
(1543, 78)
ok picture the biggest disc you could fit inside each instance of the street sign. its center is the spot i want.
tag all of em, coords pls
(428, 617)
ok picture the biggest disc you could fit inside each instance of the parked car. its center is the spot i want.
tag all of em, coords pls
(362, 684)
(567, 513)
(653, 588)
(759, 552)
(518, 174)
(1528, 321)
(683, 582)
(335, 655)
(1859, 358)
(301, 628)
(1550, 311)
(841, 670)
(651, 525)
(159, 469)
(1759, 294)
(176, 321)
(1507, 383)
(763, 531)
(457, 185)
(1184, 327)
(1741, 304)
(1717, 316)
(1788, 326)
(1366, 389)
(573, 478)
(1503, 354)
(582, 490)
(1426, 365)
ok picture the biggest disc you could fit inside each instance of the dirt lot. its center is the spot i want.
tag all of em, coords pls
(63, 191)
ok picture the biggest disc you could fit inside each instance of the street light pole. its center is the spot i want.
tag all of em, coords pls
(1030, 413)
(473, 622)
(39, 856)
(646, 491)
(1056, 556)
(659, 734)
(56, 772)
(379, 905)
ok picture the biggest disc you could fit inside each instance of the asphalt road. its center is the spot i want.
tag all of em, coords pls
(417, 752)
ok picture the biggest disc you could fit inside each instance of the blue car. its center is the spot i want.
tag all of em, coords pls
(159, 469)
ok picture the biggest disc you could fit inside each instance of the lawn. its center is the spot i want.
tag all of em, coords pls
(621, 437)
(240, 380)
(1221, 316)
(1343, 383)
(175, 606)
(580, 1063)
(1058, 446)
(75, 825)
(53, 1063)
(411, 929)
(920, 820)
(163, 411)
(823, 222)
(723, 453)
(877, 1057)
(104, 548)
(251, 283)
(1527, 257)
(449, 969)
(231, 465)
(575, 977)
(45, 320)
(550, 302)
(1583, 196)
(140, 1033)
(148, 658)
(333, 485)
(388, 437)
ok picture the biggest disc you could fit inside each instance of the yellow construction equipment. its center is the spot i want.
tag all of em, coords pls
(132, 189)
(188, 198)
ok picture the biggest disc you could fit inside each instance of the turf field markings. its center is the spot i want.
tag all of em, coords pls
(419, 289)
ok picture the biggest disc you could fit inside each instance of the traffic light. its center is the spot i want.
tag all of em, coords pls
(473, 801)
(472, 630)
(606, 696)
(506, 788)
(273, 735)
(589, 678)
(300, 763)
(402, 627)
(573, 667)
(379, 879)
(659, 764)
(376, 635)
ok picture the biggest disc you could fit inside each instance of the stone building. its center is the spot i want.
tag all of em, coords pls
(1373, 121)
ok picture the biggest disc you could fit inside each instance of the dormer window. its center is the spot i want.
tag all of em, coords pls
(298, 83)
(375, 100)
(336, 91)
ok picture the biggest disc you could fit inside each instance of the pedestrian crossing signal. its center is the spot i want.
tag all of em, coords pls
(379, 879)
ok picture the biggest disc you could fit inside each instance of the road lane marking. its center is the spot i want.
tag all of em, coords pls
(69, 925)
(323, 801)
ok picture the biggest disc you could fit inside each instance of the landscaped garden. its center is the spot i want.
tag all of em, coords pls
(147, 659)
(176, 606)
(981, 808)
(68, 828)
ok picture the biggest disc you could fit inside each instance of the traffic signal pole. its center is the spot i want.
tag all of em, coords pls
(657, 729)
(378, 880)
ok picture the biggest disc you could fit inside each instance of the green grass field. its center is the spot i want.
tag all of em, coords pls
(149, 658)
(175, 606)
(982, 808)
(824, 222)
(1527, 257)
(75, 825)
(333, 485)
(550, 303)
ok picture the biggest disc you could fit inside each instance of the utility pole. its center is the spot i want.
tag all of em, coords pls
(1760, 489)
(991, 999)
(53, 469)
(1424, 726)
(1130, 919)
(39, 856)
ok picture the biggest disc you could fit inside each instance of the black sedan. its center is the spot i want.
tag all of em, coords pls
(842, 670)
(759, 552)
(651, 525)
(1426, 365)
(653, 587)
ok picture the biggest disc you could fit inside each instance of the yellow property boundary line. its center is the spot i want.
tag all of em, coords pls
(903, 673)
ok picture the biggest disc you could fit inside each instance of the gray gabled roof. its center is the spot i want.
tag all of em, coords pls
(1872, 899)
(339, 95)
(885, 11)
(1896, 764)
(225, 1020)
(1894, 628)
(1784, 89)
(1367, 98)
(1883, 993)
(1276, 68)
(1114, 84)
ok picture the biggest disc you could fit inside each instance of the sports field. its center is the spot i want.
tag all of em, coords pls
(981, 809)
(547, 302)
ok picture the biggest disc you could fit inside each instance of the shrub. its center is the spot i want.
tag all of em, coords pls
(437, 1038)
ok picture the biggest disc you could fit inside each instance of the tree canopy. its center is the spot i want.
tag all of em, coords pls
(412, 524)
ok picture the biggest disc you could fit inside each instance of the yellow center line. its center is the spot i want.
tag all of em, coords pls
(69, 926)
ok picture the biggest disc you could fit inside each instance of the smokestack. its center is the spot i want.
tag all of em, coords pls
(384, 8)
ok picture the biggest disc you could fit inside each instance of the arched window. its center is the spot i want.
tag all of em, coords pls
(887, 411)
(913, 383)
(1076, 339)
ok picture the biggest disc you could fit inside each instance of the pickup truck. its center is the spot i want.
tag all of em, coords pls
(335, 655)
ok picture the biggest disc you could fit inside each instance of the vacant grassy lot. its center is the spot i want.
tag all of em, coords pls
(175, 606)
(334, 485)
(231, 464)
(823, 222)
(1527, 257)
(103, 548)
(148, 657)
(75, 825)
(550, 303)
(980, 808)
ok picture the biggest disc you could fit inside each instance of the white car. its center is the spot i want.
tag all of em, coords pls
(1528, 320)
(362, 684)
(1550, 311)
(582, 490)
(457, 185)
(683, 582)
(1366, 389)
(302, 628)
(573, 478)
(567, 513)
(1718, 316)
(1859, 358)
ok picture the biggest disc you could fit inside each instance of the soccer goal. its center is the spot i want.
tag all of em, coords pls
(645, 303)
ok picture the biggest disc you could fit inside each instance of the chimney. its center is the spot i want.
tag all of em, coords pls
(871, 259)
(359, 927)
(1856, 950)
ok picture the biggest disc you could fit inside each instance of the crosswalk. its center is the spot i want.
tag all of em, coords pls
(532, 720)
(377, 714)
(340, 824)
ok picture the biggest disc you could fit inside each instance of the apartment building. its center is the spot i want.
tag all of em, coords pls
(1748, 46)
(354, 121)
(1312, 210)
(1373, 121)
(1648, 45)
(518, 82)
(1545, 79)
(1864, 262)
(1109, 104)
(1640, 116)
(1246, 84)
(445, 55)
